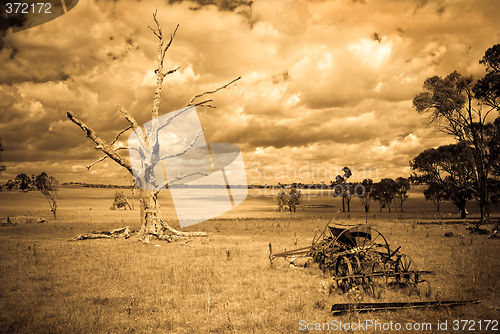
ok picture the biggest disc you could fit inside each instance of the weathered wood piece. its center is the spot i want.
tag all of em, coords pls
(121, 232)
(371, 307)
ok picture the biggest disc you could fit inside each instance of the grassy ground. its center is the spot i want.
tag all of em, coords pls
(223, 283)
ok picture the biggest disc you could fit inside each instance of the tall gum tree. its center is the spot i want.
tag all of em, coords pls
(448, 172)
(448, 104)
(152, 226)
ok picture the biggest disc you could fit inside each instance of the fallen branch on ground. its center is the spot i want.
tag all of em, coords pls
(116, 233)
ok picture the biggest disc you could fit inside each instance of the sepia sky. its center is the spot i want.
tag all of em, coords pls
(325, 84)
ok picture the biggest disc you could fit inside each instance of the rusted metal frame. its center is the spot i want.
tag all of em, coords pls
(300, 251)
(371, 307)
(387, 273)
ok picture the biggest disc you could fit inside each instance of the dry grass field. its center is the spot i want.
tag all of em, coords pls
(223, 283)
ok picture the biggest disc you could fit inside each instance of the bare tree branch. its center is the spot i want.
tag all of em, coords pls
(157, 190)
(171, 71)
(154, 32)
(211, 92)
(118, 135)
(170, 119)
(200, 132)
(128, 117)
(171, 38)
(184, 176)
(157, 26)
(135, 126)
(104, 157)
(107, 149)
(97, 161)
(203, 104)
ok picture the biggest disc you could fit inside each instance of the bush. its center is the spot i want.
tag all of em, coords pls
(288, 197)
(120, 202)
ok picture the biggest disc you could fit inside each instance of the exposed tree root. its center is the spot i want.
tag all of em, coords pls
(162, 231)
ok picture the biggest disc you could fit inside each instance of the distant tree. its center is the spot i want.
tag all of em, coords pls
(288, 196)
(365, 194)
(451, 171)
(2, 167)
(32, 182)
(436, 193)
(384, 192)
(10, 185)
(23, 182)
(343, 189)
(348, 194)
(120, 201)
(402, 188)
(49, 187)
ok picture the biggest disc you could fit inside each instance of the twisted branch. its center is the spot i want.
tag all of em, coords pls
(118, 135)
(190, 103)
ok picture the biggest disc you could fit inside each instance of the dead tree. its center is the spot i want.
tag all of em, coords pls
(152, 226)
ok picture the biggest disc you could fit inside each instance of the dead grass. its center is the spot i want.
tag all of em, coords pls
(50, 285)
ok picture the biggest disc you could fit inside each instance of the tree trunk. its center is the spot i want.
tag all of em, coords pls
(152, 226)
(52, 204)
(463, 212)
(133, 197)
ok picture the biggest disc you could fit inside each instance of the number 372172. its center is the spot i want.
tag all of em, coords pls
(26, 8)
(472, 325)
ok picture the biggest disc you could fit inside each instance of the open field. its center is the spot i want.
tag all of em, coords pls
(52, 285)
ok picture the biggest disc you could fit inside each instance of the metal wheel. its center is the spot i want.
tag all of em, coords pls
(360, 268)
(364, 241)
(329, 263)
(317, 236)
(343, 268)
(402, 268)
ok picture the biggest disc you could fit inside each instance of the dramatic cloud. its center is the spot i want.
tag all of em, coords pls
(325, 84)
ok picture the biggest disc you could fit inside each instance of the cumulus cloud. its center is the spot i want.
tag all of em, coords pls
(329, 83)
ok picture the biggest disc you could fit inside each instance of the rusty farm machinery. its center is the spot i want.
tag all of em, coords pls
(359, 256)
